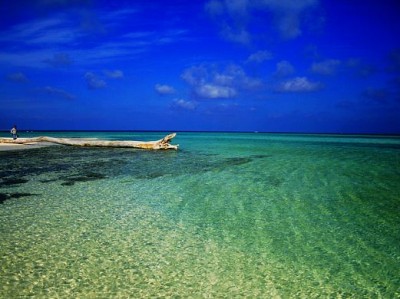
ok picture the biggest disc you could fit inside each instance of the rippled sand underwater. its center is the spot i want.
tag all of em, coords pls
(226, 216)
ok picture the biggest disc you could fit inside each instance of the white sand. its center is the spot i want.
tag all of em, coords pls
(16, 146)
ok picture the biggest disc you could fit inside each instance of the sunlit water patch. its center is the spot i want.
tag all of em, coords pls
(228, 215)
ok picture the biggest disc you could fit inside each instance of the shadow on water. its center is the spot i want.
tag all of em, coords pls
(69, 165)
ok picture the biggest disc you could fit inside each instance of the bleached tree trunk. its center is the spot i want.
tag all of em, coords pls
(163, 143)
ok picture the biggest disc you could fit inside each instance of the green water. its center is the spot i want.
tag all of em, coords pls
(226, 216)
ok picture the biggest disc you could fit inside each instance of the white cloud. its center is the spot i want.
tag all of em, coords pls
(183, 104)
(209, 86)
(94, 82)
(195, 75)
(164, 89)
(298, 84)
(327, 67)
(231, 17)
(239, 35)
(288, 15)
(208, 83)
(284, 68)
(260, 56)
(223, 79)
(241, 80)
(115, 74)
(212, 91)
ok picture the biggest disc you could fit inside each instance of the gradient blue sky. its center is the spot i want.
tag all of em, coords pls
(241, 65)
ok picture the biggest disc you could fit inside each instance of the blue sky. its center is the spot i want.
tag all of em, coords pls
(240, 65)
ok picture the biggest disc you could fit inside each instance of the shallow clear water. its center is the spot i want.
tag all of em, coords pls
(228, 215)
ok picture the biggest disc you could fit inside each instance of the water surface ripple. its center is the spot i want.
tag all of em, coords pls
(229, 215)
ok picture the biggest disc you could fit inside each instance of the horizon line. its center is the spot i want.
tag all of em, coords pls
(211, 131)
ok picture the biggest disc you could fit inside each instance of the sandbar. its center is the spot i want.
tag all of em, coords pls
(18, 146)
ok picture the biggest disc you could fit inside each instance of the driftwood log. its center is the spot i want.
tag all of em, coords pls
(163, 143)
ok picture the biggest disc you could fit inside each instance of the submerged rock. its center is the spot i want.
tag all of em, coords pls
(7, 196)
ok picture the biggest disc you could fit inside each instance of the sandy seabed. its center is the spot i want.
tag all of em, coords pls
(249, 216)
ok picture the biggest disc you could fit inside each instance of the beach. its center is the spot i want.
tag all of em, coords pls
(249, 216)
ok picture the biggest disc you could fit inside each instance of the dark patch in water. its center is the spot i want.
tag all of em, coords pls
(237, 161)
(229, 162)
(48, 180)
(260, 156)
(19, 195)
(12, 181)
(150, 175)
(274, 181)
(71, 164)
(5, 196)
(71, 180)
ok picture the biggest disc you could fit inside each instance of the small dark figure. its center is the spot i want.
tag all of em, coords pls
(14, 132)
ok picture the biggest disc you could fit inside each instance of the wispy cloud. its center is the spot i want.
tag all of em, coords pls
(182, 104)
(94, 82)
(115, 74)
(54, 30)
(17, 77)
(362, 69)
(59, 60)
(284, 68)
(326, 67)
(164, 89)
(231, 18)
(60, 93)
(288, 15)
(34, 43)
(260, 56)
(32, 58)
(61, 4)
(298, 84)
(235, 16)
(378, 95)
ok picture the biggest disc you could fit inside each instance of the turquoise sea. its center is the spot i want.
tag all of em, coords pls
(228, 215)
